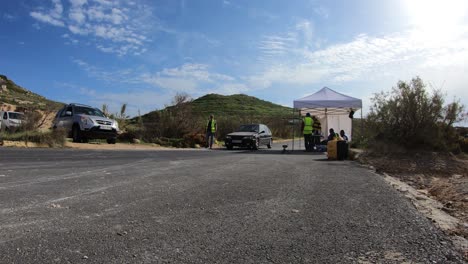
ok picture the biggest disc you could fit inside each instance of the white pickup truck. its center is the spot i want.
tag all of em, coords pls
(10, 120)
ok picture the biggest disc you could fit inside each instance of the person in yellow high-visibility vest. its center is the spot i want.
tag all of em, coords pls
(211, 128)
(307, 126)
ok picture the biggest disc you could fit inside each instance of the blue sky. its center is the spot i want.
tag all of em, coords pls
(144, 52)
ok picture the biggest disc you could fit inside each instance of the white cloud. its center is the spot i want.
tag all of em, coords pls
(365, 58)
(70, 39)
(77, 15)
(192, 78)
(231, 88)
(275, 45)
(47, 18)
(189, 77)
(75, 3)
(137, 100)
(77, 30)
(120, 26)
(58, 9)
(9, 17)
(322, 12)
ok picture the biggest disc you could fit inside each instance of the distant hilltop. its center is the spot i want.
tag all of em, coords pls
(231, 105)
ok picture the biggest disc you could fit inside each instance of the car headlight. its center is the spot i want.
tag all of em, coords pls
(228, 137)
(249, 137)
(116, 125)
(86, 120)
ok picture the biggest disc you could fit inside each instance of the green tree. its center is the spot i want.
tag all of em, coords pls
(411, 117)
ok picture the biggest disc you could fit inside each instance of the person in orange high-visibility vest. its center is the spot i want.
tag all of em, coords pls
(210, 131)
(307, 126)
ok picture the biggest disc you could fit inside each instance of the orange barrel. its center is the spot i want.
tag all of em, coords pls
(332, 152)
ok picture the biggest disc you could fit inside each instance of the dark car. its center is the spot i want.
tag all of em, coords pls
(251, 136)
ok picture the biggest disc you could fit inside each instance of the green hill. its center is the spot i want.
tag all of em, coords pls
(189, 118)
(238, 104)
(11, 93)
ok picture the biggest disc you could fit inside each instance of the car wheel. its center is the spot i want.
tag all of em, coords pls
(229, 147)
(269, 143)
(85, 140)
(76, 134)
(111, 140)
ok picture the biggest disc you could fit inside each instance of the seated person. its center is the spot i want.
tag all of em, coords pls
(343, 136)
(332, 135)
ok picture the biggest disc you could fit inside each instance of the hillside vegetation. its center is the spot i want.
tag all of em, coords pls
(23, 99)
(39, 112)
(185, 119)
(238, 104)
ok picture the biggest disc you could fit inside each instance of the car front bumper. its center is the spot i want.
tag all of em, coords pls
(236, 142)
(97, 133)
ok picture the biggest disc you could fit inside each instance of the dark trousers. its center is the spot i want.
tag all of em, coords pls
(308, 142)
(209, 139)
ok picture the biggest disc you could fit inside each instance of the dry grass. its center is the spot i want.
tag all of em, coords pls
(51, 138)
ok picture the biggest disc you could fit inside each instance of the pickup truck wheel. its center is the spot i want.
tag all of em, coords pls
(229, 147)
(269, 144)
(76, 134)
(111, 140)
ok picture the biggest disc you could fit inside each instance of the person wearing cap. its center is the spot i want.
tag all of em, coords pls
(307, 126)
(344, 136)
(210, 131)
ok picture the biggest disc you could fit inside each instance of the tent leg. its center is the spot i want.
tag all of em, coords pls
(300, 132)
(362, 125)
(293, 130)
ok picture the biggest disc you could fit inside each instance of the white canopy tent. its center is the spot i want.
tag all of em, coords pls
(331, 108)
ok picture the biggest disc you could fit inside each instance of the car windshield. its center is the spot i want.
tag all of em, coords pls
(88, 111)
(15, 115)
(248, 128)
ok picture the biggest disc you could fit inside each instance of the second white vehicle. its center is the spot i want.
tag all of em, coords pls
(10, 120)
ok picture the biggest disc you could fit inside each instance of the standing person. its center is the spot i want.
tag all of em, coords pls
(306, 127)
(316, 132)
(343, 136)
(210, 131)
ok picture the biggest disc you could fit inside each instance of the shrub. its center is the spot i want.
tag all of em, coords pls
(411, 117)
(463, 143)
(53, 138)
(130, 134)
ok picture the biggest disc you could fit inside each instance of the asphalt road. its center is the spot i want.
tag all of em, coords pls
(201, 206)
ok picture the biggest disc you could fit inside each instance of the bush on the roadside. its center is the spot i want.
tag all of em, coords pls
(412, 118)
(53, 138)
(31, 121)
(463, 143)
(131, 134)
(193, 139)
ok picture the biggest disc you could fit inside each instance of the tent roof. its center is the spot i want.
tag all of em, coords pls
(326, 98)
